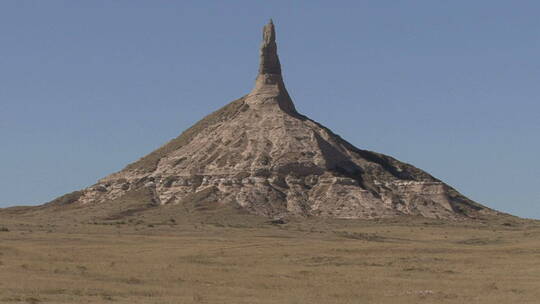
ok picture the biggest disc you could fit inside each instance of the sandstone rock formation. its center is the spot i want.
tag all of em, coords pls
(259, 153)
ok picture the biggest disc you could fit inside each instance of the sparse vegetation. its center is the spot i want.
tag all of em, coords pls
(67, 199)
(224, 257)
(149, 162)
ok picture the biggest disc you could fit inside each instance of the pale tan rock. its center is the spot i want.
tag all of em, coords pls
(259, 153)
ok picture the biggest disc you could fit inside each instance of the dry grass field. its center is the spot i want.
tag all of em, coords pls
(406, 260)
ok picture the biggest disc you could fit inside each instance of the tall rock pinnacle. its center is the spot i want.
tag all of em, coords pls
(269, 59)
(269, 86)
(258, 154)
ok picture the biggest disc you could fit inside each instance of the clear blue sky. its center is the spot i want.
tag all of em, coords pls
(452, 87)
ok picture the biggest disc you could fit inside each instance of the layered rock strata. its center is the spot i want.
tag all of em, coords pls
(260, 154)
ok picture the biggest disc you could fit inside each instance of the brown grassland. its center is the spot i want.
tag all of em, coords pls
(244, 259)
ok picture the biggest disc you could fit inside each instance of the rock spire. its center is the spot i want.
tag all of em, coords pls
(269, 63)
(259, 155)
(269, 87)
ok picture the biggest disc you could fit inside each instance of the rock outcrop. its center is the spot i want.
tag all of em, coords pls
(260, 154)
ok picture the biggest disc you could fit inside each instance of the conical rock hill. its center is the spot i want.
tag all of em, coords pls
(258, 153)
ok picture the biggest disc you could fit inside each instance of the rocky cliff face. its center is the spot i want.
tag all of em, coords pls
(259, 153)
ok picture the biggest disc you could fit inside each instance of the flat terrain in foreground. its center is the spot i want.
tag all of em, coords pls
(314, 261)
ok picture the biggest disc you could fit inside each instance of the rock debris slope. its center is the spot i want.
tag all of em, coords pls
(259, 154)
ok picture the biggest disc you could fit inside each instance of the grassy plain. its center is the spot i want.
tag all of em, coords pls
(406, 260)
